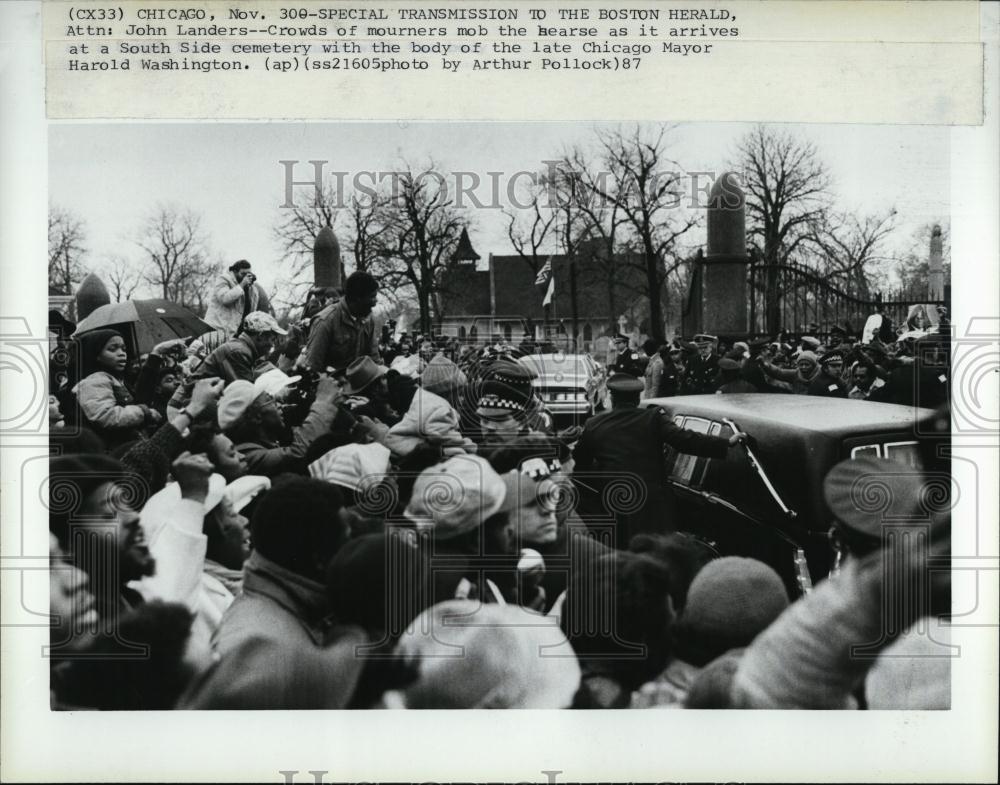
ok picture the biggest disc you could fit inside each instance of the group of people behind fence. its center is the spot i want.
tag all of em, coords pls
(913, 370)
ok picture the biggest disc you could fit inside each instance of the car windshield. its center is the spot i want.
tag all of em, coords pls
(552, 364)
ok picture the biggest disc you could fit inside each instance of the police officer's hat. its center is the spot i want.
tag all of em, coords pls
(865, 493)
(703, 338)
(624, 383)
(758, 345)
(622, 337)
(833, 356)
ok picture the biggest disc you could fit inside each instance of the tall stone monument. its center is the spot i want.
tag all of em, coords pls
(327, 267)
(724, 300)
(91, 295)
(935, 271)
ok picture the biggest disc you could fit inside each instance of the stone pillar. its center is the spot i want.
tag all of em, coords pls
(91, 295)
(935, 272)
(724, 298)
(326, 259)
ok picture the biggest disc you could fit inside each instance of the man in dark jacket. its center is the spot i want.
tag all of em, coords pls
(342, 332)
(252, 419)
(237, 357)
(703, 368)
(829, 382)
(628, 361)
(619, 461)
(282, 622)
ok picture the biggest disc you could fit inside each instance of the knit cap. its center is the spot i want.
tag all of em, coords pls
(735, 597)
(441, 376)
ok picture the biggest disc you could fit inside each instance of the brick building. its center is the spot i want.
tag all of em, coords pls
(501, 296)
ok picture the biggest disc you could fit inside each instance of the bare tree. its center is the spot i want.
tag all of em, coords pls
(787, 190)
(532, 227)
(368, 231)
(850, 249)
(66, 249)
(297, 227)
(123, 278)
(640, 186)
(175, 254)
(422, 227)
(787, 193)
(588, 222)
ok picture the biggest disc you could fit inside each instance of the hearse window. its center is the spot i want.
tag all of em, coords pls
(899, 452)
(685, 465)
(903, 452)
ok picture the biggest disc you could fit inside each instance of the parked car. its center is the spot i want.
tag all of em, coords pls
(798, 439)
(572, 386)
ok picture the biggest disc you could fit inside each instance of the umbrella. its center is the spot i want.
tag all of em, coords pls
(145, 322)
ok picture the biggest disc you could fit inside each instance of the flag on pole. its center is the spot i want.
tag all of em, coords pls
(547, 279)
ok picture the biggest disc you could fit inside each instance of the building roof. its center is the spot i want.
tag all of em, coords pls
(466, 290)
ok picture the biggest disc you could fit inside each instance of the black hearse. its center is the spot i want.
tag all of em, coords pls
(798, 439)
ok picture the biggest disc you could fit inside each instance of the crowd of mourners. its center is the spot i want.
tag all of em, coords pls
(323, 517)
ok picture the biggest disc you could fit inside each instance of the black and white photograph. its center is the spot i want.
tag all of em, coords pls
(499, 416)
(407, 359)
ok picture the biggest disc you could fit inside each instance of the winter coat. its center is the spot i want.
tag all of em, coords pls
(110, 409)
(270, 459)
(336, 338)
(429, 420)
(228, 301)
(654, 372)
(279, 648)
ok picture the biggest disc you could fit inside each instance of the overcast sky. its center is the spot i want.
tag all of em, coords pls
(112, 175)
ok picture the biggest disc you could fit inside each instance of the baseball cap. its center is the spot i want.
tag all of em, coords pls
(259, 322)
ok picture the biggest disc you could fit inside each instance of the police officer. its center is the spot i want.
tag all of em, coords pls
(703, 369)
(829, 382)
(628, 361)
(619, 461)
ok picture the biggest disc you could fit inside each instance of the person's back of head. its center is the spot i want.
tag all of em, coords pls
(683, 555)
(618, 618)
(510, 658)
(297, 524)
(373, 582)
(360, 285)
(730, 602)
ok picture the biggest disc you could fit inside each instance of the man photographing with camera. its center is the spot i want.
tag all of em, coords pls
(235, 294)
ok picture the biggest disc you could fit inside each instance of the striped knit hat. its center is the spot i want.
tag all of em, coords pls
(506, 385)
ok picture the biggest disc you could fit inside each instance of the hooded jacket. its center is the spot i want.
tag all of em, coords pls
(429, 420)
